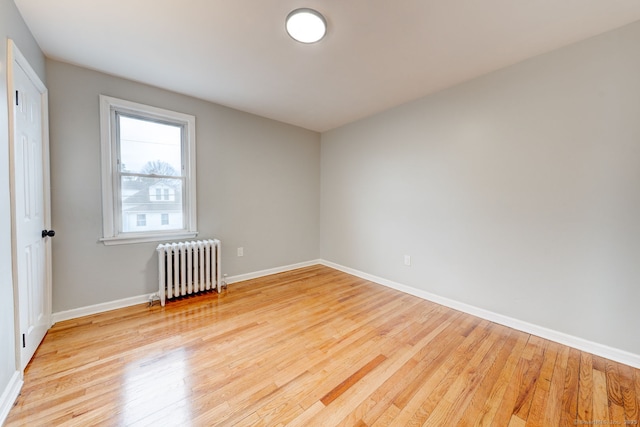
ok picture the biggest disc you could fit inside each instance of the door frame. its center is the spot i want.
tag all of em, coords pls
(14, 56)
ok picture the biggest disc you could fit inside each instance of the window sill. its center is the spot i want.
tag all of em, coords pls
(146, 238)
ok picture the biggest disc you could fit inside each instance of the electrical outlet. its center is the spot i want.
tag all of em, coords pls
(407, 260)
(240, 251)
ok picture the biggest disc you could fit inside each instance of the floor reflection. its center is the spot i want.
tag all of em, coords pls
(155, 391)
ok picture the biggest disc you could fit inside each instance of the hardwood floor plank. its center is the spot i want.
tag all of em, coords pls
(614, 393)
(585, 389)
(381, 399)
(535, 352)
(354, 378)
(631, 401)
(438, 328)
(543, 386)
(598, 363)
(484, 407)
(312, 347)
(473, 348)
(388, 417)
(307, 416)
(553, 408)
(461, 393)
(516, 421)
(436, 356)
(600, 402)
(569, 415)
(345, 409)
(637, 387)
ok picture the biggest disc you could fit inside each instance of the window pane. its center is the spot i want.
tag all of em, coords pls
(149, 147)
(139, 200)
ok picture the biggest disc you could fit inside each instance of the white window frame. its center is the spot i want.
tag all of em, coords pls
(111, 197)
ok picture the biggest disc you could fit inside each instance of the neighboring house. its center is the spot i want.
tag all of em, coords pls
(150, 206)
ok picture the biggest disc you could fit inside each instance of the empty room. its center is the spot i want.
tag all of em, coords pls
(319, 213)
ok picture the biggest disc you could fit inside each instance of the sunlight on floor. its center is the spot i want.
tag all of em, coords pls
(157, 385)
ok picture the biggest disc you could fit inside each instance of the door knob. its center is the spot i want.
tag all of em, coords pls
(49, 233)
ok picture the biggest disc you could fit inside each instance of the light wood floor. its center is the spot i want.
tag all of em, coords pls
(314, 347)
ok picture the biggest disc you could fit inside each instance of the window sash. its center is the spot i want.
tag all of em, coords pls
(112, 174)
(178, 184)
(119, 174)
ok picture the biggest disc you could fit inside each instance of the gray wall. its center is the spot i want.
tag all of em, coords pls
(517, 192)
(258, 187)
(11, 26)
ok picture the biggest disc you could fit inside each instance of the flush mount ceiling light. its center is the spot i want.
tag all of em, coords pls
(306, 25)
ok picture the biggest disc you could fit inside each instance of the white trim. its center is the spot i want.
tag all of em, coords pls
(146, 238)
(582, 344)
(99, 308)
(269, 271)
(110, 211)
(9, 395)
(602, 350)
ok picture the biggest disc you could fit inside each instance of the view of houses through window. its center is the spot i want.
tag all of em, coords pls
(151, 182)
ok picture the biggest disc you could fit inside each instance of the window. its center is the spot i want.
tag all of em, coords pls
(148, 164)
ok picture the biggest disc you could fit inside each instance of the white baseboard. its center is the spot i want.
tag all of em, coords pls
(582, 344)
(141, 299)
(549, 334)
(262, 273)
(9, 395)
(99, 308)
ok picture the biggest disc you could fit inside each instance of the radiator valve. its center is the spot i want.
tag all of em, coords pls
(153, 298)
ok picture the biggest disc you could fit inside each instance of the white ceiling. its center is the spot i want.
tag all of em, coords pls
(377, 54)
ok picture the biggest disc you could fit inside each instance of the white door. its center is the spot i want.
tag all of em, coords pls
(30, 203)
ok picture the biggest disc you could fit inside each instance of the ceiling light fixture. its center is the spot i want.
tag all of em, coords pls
(306, 25)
